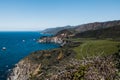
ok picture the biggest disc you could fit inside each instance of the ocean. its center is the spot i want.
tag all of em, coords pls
(18, 45)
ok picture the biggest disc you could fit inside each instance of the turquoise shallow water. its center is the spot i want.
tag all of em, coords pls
(18, 45)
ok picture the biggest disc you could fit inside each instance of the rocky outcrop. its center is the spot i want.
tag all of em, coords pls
(51, 40)
(61, 65)
(59, 38)
(23, 70)
(41, 65)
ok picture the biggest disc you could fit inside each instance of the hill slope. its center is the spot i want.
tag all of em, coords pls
(55, 30)
(111, 32)
(96, 25)
(83, 27)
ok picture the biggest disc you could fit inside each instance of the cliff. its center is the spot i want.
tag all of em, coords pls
(59, 38)
(23, 70)
(60, 64)
(41, 65)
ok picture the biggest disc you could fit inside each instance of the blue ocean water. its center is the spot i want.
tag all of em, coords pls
(18, 45)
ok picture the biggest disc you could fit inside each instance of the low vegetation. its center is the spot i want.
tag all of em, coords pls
(91, 48)
(110, 32)
(96, 60)
(80, 59)
(96, 68)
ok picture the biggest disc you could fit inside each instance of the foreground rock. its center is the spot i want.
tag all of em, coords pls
(60, 64)
(41, 65)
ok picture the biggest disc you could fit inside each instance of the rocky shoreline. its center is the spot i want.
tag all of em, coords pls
(41, 64)
(25, 68)
(60, 64)
(59, 38)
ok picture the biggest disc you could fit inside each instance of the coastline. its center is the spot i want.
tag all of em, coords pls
(28, 66)
(70, 61)
(61, 64)
(16, 49)
(58, 39)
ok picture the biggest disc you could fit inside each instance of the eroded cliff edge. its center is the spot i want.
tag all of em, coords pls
(60, 64)
(42, 64)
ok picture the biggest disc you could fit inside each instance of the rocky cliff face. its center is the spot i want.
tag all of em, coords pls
(58, 38)
(41, 65)
(60, 65)
(23, 70)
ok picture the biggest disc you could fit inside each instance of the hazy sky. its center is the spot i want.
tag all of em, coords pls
(40, 14)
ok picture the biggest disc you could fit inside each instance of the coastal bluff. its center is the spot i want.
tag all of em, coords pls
(42, 65)
(60, 64)
(57, 38)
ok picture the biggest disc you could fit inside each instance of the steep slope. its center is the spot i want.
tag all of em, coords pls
(65, 31)
(84, 27)
(58, 38)
(96, 25)
(41, 65)
(60, 64)
(111, 32)
(55, 30)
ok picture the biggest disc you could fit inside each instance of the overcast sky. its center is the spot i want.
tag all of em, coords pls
(32, 15)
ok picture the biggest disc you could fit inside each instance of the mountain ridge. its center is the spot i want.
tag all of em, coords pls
(84, 27)
(110, 32)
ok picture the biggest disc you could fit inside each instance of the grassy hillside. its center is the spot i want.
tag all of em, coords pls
(91, 48)
(111, 32)
(96, 25)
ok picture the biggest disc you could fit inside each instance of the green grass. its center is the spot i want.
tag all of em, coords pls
(80, 39)
(91, 48)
